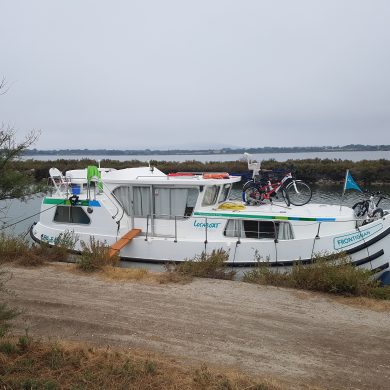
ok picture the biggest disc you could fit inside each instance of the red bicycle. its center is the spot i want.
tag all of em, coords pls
(266, 185)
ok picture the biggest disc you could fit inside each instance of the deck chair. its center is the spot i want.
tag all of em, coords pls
(58, 180)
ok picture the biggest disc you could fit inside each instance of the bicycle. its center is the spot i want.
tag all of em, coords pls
(266, 184)
(369, 209)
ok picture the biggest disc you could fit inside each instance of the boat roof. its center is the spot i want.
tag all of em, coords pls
(148, 175)
(313, 212)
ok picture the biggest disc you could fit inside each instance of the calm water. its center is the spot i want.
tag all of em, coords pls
(353, 156)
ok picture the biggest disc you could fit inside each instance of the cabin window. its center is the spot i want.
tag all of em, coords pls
(122, 194)
(168, 202)
(210, 196)
(193, 194)
(224, 193)
(141, 204)
(71, 214)
(174, 202)
(258, 229)
(141, 201)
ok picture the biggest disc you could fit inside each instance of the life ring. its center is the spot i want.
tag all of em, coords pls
(222, 175)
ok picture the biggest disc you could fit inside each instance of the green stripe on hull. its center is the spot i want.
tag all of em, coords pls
(272, 217)
(66, 202)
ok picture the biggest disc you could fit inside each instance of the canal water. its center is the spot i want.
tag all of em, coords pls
(352, 156)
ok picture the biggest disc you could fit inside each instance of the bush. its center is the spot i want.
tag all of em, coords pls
(12, 248)
(95, 256)
(205, 265)
(7, 348)
(331, 273)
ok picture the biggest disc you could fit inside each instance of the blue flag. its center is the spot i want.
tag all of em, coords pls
(350, 184)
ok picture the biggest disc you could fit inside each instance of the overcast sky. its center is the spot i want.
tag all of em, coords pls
(176, 73)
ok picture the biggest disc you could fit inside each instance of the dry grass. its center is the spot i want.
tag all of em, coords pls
(16, 249)
(29, 364)
(95, 255)
(213, 265)
(12, 248)
(365, 303)
(140, 274)
(125, 274)
(118, 274)
(330, 273)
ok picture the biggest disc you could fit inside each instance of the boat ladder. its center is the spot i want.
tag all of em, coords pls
(123, 241)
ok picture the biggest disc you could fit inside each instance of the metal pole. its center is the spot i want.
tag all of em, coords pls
(147, 228)
(205, 241)
(175, 228)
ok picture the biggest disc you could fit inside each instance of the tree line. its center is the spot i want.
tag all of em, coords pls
(315, 170)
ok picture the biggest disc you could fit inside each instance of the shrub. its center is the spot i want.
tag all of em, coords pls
(331, 273)
(38, 254)
(64, 243)
(96, 255)
(12, 248)
(7, 348)
(205, 265)
(24, 342)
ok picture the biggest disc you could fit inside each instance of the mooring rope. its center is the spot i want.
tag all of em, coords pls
(24, 219)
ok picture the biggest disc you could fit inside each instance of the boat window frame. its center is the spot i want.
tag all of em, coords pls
(69, 222)
(222, 191)
(215, 196)
(276, 226)
(153, 187)
(175, 187)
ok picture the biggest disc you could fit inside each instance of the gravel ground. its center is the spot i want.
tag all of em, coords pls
(299, 337)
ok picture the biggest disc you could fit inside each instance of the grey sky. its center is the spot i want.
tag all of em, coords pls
(135, 74)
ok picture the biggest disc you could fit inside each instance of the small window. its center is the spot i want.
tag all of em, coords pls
(210, 195)
(224, 193)
(192, 197)
(259, 229)
(71, 214)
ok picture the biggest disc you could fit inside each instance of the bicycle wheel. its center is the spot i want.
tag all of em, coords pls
(251, 194)
(285, 196)
(299, 193)
(360, 209)
(377, 213)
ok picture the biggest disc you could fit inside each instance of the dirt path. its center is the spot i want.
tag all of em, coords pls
(299, 337)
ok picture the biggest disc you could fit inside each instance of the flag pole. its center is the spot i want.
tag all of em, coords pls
(345, 185)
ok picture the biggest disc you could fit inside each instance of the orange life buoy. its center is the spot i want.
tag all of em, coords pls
(222, 175)
(181, 174)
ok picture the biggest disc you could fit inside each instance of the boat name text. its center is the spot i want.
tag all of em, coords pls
(351, 239)
(48, 239)
(212, 225)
